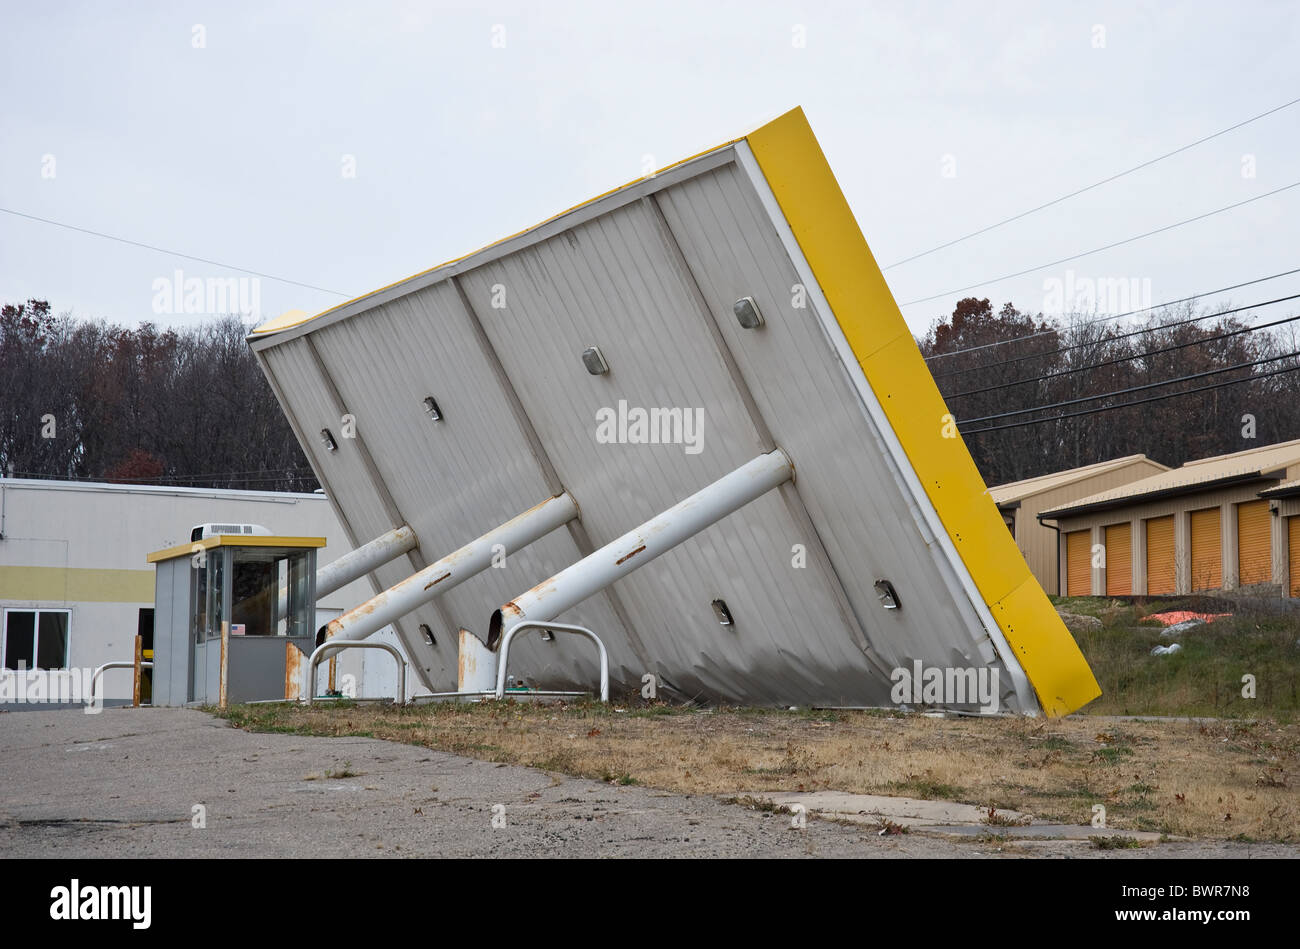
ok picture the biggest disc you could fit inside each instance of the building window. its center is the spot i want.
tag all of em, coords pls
(36, 639)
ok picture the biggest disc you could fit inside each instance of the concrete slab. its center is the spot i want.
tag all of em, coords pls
(866, 808)
(1046, 832)
(941, 817)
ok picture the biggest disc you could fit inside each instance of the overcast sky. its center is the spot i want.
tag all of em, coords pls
(228, 131)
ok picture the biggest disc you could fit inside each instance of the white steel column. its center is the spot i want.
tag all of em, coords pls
(656, 536)
(357, 563)
(455, 568)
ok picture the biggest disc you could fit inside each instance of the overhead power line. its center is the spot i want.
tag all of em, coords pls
(1095, 184)
(1136, 356)
(1128, 405)
(1141, 388)
(172, 253)
(1091, 323)
(1107, 319)
(1098, 250)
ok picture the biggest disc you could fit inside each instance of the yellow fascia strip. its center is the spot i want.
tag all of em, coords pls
(232, 540)
(828, 236)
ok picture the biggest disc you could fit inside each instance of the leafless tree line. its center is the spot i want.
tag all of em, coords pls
(1071, 360)
(89, 400)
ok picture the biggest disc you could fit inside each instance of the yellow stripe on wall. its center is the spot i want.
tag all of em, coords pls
(76, 585)
(823, 225)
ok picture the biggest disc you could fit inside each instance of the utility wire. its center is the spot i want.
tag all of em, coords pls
(1116, 316)
(1135, 356)
(1098, 250)
(1127, 405)
(1141, 388)
(1130, 404)
(1112, 339)
(173, 253)
(1096, 184)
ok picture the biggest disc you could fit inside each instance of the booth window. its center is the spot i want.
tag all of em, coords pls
(262, 591)
(207, 602)
(270, 590)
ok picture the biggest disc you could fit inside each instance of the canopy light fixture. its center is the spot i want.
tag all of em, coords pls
(428, 634)
(431, 406)
(747, 314)
(594, 360)
(888, 595)
(722, 613)
(327, 440)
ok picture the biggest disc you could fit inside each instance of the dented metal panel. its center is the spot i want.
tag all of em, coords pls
(649, 274)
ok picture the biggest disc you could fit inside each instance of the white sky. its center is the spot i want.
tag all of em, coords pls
(235, 151)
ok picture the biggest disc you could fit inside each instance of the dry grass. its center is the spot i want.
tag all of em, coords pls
(1221, 780)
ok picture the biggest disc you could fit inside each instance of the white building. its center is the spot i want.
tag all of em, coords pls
(75, 587)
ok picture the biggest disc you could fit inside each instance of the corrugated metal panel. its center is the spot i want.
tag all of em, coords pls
(1119, 560)
(1207, 550)
(1293, 554)
(1254, 543)
(1161, 573)
(1285, 487)
(1078, 563)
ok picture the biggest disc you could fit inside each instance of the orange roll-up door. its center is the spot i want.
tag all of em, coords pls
(1078, 563)
(1161, 577)
(1254, 544)
(1293, 546)
(1207, 554)
(1119, 560)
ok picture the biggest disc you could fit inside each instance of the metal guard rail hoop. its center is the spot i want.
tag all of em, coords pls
(334, 645)
(117, 664)
(559, 628)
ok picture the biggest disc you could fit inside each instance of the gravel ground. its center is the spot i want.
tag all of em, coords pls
(125, 783)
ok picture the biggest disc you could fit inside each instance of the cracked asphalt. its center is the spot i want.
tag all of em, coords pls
(134, 782)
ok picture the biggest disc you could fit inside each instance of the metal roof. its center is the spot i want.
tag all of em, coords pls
(233, 540)
(1201, 474)
(52, 484)
(649, 273)
(1019, 490)
(1285, 489)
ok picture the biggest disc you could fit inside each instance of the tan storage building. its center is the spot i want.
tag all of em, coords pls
(1021, 502)
(1224, 523)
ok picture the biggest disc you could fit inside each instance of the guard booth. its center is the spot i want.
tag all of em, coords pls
(233, 609)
